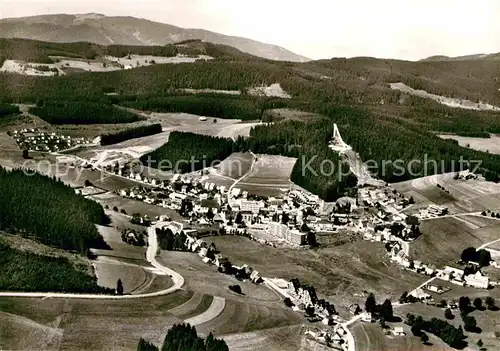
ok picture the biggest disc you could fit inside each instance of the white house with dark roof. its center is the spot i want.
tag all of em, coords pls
(477, 280)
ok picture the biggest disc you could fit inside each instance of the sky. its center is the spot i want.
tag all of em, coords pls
(404, 29)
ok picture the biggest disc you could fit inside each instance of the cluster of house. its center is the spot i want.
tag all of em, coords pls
(39, 140)
(398, 255)
(305, 296)
(209, 255)
(336, 336)
(458, 277)
(280, 218)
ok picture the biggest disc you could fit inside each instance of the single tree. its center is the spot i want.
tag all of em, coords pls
(239, 218)
(484, 258)
(146, 346)
(470, 323)
(386, 310)
(480, 343)
(464, 303)
(26, 154)
(469, 254)
(119, 287)
(382, 323)
(490, 303)
(424, 338)
(448, 314)
(370, 304)
(210, 214)
(478, 303)
(310, 310)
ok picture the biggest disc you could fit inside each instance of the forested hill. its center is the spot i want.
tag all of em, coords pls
(105, 30)
(49, 211)
(342, 81)
(377, 121)
(45, 52)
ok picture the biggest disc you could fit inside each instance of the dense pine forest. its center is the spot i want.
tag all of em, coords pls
(24, 271)
(220, 106)
(308, 142)
(130, 133)
(184, 337)
(81, 112)
(188, 152)
(49, 211)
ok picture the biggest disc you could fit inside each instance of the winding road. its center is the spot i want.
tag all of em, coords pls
(151, 252)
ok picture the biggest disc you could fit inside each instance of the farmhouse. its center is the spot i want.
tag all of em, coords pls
(477, 280)
(399, 331)
(454, 275)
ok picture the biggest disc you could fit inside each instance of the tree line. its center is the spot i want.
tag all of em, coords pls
(49, 211)
(130, 133)
(184, 337)
(454, 337)
(221, 106)
(81, 112)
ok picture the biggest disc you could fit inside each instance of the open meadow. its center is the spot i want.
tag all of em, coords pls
(287, 338)
(236, 165)
(464, 196)
(369, 336)
(486, 320)
(270, 176)
(342, 271)
(444, 239)
(491, 144)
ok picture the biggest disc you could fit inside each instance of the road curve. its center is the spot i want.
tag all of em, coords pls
(177, 279)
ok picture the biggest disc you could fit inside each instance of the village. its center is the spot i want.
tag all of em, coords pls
(378, 213)
(34, 139)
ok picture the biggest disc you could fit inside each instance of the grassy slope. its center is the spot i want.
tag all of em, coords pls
(36, 267)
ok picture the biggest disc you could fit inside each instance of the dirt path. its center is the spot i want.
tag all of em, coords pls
(250, 170)
(215, 309)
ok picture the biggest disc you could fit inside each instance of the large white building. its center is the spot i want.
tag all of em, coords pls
(282, 231)
(477, 280)
(278, 230)
(251, 206)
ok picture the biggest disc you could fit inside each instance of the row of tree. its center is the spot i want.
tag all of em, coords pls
(48, 210)
(167, 240)
(452, 336)
(130, 133)
(184, 337)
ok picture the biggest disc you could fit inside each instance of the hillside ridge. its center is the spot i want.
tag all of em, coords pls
(125, 30)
